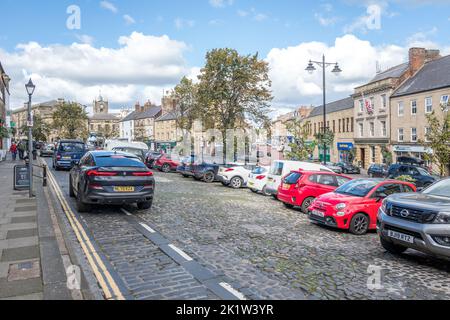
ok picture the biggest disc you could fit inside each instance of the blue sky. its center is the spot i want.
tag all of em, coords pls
(200, 25)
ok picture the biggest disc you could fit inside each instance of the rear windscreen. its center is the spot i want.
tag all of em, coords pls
(72, 147)
(292, 178)
(118, 161)
(277, 169)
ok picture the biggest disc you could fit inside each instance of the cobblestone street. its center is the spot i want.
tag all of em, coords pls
(259, 247)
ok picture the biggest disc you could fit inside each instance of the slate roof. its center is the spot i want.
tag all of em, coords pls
(433, 75)
(167, 117)
(394, 72)
(51, 103)
(150, 113)
(335, 106)
(104, 116)
(129, 117)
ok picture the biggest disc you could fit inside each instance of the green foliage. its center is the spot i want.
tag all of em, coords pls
(4, 133)
(41, 130)
(301, 148)
(108, 133)
(185, 93)
(70, 120)
(387, 155)
(439, 139)
(325, 138)
(406, 178)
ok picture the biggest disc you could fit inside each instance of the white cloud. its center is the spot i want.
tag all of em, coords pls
(109, 6)
(183, 23)
(78, 71)
(84, 38)
(255, 15)
(357, 58)
(129, 19)
(221, 3)
(325, 21)
(422, 39)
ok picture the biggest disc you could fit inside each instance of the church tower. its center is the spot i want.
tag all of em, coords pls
(101, 106)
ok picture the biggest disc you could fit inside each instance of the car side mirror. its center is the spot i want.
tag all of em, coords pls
(75, 163)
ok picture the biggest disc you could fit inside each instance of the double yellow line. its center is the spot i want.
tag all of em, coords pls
(104, 278)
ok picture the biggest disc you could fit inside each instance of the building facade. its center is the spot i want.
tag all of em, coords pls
(103, 123)
(5, 113)
(340, 121)
(139, 125)
(426, 92)
(372, 108)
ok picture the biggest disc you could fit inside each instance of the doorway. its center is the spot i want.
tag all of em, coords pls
(363, 158)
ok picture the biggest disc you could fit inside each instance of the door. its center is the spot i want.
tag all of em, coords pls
(322, 183)
(363, 158)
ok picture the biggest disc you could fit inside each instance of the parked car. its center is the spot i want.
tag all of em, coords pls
(348, 168)
(354, 206)
(151, 157)
(106, 177)
(300, 188)
(235, 175)
(334, 167)
(47, 151)
(257, 180)
(166, 164)
(377, 171)
(419, 221)
(67, 153)
(281, 168)
(421, 176)
(136, 151)
(206, 172)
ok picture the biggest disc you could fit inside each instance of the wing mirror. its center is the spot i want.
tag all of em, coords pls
(75, 163)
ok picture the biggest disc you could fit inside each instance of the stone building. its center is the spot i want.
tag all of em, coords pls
(103, 123)
(339, 117)
(372, 111)
(140, 124)
(5, 115)
(426, 92)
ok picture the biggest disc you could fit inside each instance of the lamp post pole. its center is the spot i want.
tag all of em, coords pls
(323, 64)
(30, 90)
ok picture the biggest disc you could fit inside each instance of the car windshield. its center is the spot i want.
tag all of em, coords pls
(358, 188)
(423, 171)
(259, 170)
(292, 178)
(118, 160)
(72, 147)
(440, 189)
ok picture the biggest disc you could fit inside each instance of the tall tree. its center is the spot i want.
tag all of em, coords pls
(71, 121)
(301, 148)
(108, 132)
(438, 139)
(233, 89)
(41, 130)
(185, 95)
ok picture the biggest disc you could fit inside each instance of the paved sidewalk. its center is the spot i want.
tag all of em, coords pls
(31, 266)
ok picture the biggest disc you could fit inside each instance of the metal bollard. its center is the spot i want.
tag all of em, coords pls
(44, 176)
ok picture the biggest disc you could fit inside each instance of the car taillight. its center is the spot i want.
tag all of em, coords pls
(58, 157)
(143, 174)
(260, 177)
(229, 170)
(95, 186)
(96, 173)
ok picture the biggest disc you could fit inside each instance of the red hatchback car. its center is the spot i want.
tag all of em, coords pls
(300, 188)
(166, 164)
(354, 206)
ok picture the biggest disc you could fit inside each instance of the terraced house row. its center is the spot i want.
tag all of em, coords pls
(386, 117)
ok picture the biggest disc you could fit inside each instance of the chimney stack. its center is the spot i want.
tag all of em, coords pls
(419, 56)
(137, 107)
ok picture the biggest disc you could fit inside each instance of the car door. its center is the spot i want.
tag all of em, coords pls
(78, 171)
(321, 184)
(378, 195)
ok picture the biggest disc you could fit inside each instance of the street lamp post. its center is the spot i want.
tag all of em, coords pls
(30, 90)
(335, 71)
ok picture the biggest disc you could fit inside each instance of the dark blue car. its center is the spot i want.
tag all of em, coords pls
(67, 153)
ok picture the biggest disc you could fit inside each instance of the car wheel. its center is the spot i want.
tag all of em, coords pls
(359, 224)
(165, 168)
(254, 190)
(71, 192)
(306, 204)
(185, 176)
(144, 205)
(236, 183)
(81, 206)
(264, 191)
(288, 205)
(208, 177)
(275, 197)
(391, 247)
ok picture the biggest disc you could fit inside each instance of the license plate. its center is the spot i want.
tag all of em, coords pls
(318, 213)
(401, 236)
(270, 179)
(67, 158)
(123, 189)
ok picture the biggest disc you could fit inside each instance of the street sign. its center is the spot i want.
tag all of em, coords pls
(30, 124)
(21, 178)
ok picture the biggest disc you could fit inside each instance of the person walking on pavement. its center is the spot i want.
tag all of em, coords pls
(13, 151)
(21, 148)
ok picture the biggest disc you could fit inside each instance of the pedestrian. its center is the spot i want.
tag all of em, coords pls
(13, 151)
(21, 148)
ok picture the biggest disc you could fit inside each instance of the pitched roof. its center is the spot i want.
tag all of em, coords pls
(104, 116)
(433, 75)
(129, 117)
(394, 72)
(150, 113)
(167, 117)
(51, 103)
(335, 106)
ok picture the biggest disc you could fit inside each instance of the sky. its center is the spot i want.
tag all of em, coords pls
(134, 50)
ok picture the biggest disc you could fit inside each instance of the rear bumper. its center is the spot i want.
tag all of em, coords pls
(223, 179)
(95, 197)
(64, 164)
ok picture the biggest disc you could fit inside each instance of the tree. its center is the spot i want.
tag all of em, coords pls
(41, 130)
(438, 139)
(301, 148)
(139, 133)
(325, 139)
(233, 89)
(70, 120)
(185, 95)
(4, 133)
(108, 132)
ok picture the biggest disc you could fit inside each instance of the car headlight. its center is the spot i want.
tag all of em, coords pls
(442, 218)
(341, 206)
(384, 205)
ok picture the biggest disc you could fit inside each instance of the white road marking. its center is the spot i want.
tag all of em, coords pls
(146, 227)
(162, 180)
(233, 291)
(181, 252)
(126, 212)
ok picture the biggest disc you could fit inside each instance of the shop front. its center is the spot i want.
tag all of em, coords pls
(419, 152)
(345, 152)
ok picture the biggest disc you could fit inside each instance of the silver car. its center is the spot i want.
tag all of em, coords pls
(419, 221)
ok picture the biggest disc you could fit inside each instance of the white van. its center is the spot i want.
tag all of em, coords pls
(111, 144)
(281, 168)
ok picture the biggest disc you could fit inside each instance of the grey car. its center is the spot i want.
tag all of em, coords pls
(419, 221)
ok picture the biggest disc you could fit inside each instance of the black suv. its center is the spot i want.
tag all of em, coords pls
(377, 171)
(203, 171)
(421, 176)
(348, 168)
